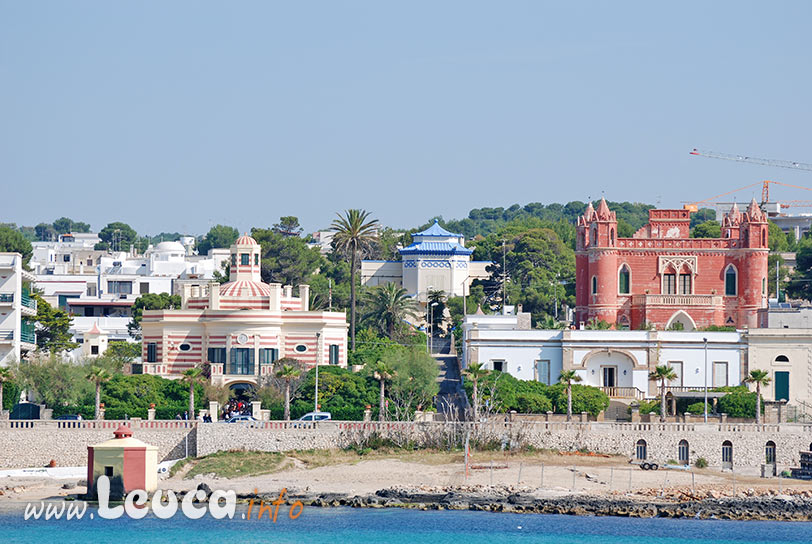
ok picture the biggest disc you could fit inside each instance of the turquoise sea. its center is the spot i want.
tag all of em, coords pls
(396, 526)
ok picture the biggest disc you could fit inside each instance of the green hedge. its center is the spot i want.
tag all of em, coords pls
(527, 396)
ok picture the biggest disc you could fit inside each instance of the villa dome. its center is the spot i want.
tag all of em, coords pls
(245, 240)
(245, 288)
(170, 247)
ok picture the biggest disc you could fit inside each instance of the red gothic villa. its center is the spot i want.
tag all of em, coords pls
(241, 327)
(662, 277)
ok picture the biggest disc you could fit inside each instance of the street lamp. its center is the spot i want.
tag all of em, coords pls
(705, 340)
(431, 329)
(316, 395)
(428, 307)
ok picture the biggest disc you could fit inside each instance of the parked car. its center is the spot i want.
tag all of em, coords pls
(241, 418)
(316, 416)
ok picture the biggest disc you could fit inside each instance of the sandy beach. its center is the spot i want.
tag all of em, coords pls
(549, 475)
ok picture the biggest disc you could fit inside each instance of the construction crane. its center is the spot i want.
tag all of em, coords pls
(765, 185)
(753, 160)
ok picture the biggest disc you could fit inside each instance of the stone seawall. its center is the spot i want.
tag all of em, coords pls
(26, 444)
(35, 443)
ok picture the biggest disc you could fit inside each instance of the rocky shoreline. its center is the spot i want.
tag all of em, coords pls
(775, 508)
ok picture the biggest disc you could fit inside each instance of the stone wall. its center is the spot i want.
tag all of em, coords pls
(26, 444)
(35, 443)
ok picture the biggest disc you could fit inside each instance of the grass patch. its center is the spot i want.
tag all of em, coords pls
(174, 469)
(236, 464)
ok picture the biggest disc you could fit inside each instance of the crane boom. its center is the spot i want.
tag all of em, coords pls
(753, 160)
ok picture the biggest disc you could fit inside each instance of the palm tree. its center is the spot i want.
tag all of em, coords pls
(5, 376)
(354, 235)
(288, 373)
(662, 374)
(568, 377)
(386, 306)
(98, 375)
(476, 372)
(193, 376)
(382, 372)
(758, 377)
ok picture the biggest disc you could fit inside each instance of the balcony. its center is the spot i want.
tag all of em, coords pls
(677, 300)
(6, 336)
(28, 333)
(237, 369)
(28, 302)
(6, 298)
(623, 393)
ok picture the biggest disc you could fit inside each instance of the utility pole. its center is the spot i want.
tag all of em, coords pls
(504, 280)
(777, 290)
(330, 294)
(705, 340)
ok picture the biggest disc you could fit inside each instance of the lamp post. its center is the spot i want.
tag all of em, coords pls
(428, 308)
(705, 340)
(316, 394)
(431, 329)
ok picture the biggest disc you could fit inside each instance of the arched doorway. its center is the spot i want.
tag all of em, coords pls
(641, 450)
(683, 453)
(680, 321)
(727, 455)
(769, 453)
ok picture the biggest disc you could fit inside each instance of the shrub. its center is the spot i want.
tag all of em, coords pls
(698, 407)
(585, 398)
(701, 463)
(738, 404)
(649, 407)
(533, 403)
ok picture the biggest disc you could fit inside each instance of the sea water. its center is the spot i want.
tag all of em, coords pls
(396, 526)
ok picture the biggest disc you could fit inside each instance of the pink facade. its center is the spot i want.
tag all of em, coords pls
(241, 327)
(661, 276)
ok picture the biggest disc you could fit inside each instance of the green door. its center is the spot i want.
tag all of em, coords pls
(782, 386)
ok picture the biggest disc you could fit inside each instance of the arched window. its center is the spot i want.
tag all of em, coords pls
(640, 450)
(730, 281)
(764, 238)
(682, 452)
(670, 282)
(624, 283)
(611, 237)
(763, 286)
(594, 236)
(594, 285)
(769, 453)
(782, 359)
(727, 454)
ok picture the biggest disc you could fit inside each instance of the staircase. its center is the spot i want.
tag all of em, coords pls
(618, 410)
(451, 399)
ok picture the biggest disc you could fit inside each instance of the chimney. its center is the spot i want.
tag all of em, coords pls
(275, 299)
(304, 295)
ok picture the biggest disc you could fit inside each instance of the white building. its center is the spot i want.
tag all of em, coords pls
(17, 336)
(617, 361)
(98, 288)
(436, 260)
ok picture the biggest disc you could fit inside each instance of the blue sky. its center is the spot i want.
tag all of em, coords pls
(173, 116)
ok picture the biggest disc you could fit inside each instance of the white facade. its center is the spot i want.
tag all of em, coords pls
(100, 287)
(619, 361)
(16, 336)
(436, 260)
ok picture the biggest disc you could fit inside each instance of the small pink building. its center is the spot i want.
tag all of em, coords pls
(129, 463)
(241, 327)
